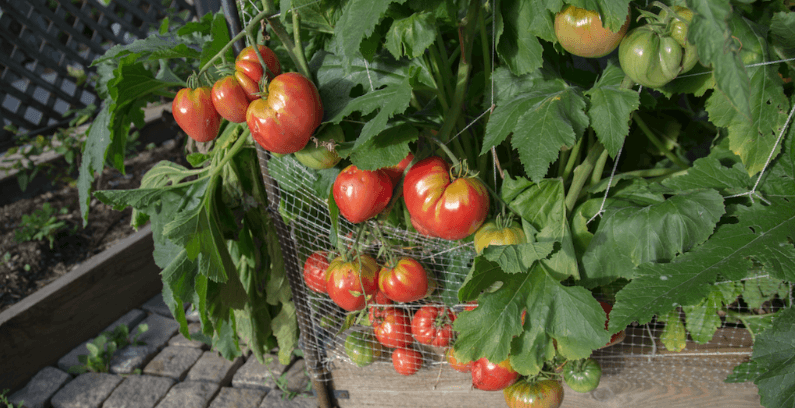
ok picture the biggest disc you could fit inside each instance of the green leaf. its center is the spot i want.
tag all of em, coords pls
(412, 35)
(225, 338)
(220, 37)
(782, 30)
(779, 179)
(630, 234)
(702, 319)
(763, 233)
(386, 149)
(542, 121)
(153, 47)
(516, 45)
(673, 337)
(710, 172)
(358, 21)
(518, 258)
(481, 276)
(743, 372)
(94, 150)
(321, 15)
(774, 356)
(754, 323)
(612, 12)
(610, 108)
(391, 100)
(285, 328)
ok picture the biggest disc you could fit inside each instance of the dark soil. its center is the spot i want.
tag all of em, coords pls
(26, 267)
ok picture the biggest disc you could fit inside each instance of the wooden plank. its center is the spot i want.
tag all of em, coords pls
(46, 325)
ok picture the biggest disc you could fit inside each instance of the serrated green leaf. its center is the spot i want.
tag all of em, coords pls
(612, 12)
(321, 15)
(673, 336)
(774, 356)
(225, 338)
(631, 235)
(480, 277)
(285, 328)
(358, 21)
(412, 35)
(782, 30)
(219, 34)
(743, 372)
(754, 323)
(386, 149)
(709, 172)
(153, 47)
(531, 350)
(610, 108)
(763, 233)
(94, 151)
(779, 180)
(702, 319)
(518, 258)
(516, 45)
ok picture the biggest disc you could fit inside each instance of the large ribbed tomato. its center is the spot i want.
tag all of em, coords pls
(392, 326)
(580, 32)
(284, 121)
(407, 281)
(443, 206)
(534, 394)
(361, 194)
(315, 271)
(488, 376)
(432, 325)
(345, 279)
(195, 114)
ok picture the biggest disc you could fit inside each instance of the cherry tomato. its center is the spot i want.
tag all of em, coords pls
(315, 271)
(443, 207)
(248, 63)
(582, 375)
(488, 376)
(396, 172)
(534, 394)
(285, 120)
(432, 325)
(392, 326)
(317, 155)
(491, 233)
(580, 32)
(361, 348)
(343, 281)
(618, 337)
(455, 364)
(195, 114)
(405, 282)
(230, 99)
(361, 194)
(406, 361)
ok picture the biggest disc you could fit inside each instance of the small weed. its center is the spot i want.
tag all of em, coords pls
(101, 349)
(5, 402)
(43, 223)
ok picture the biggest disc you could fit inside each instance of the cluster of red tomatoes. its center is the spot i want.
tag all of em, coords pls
(281, 117)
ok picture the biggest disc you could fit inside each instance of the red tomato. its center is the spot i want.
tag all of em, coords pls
(250, 87)
(445, 208)
(471, 305)
(343, 281)
(618, 337)
(361, 194)
(230, 99)
(432, 325)
(392, 326)
(406, 361)
(455, 364)
(315, 271)
(406, 282)
(396, 172)
(381, 299)
(284, 122)
(488, 376)
(248, 63)
(195, 114)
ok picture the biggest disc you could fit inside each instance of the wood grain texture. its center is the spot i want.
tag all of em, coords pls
(46, 325)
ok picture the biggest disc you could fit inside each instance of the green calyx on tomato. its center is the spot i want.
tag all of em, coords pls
(580, 32)
(534, 394)
(362, 348)
(322, 153)
(582, 375)
(499, 232)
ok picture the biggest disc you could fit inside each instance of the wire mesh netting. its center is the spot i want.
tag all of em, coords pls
(642, 350)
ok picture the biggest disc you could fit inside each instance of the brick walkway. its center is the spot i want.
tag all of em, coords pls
(175, 373)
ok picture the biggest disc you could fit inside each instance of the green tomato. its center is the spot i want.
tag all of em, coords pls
(318, 156)
(362, 348)
(493, 234)
(582, 375)
(678, 32)
(650, 58)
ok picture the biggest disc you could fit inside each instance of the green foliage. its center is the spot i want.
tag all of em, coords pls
(102, 348)
(42, 224)
(773, 351)
(4, 400)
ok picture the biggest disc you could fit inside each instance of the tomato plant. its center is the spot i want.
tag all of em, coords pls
(488, 376)
(407, 281)
(406, 361)
(361, 348)
(534, 394)
(441, 206)
(498, 233)
(432, 325)
(348, 282)
(581, 32)
(194, 112)
(322, 154)
(582, 375)
(315, 271)
(392, 326)
(361, 194)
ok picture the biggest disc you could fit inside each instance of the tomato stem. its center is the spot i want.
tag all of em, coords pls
(290, 47)
(596, 175)
(446, 150)
(657, 142)
(255, 20)
(385, 244)
(581, 174)
(574, 156)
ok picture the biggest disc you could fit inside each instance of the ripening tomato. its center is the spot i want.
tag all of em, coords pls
(432, 325)
(582, 375)
(580, 32)
(315, 271)
(441, 206)
(392, 326)
(396, 172)
(345, 279)
(618, 337)
(406, 361)
(361, 348)
(248, 63)
(361, 194)
(494, 233)
(230, 99)
(407, 281)
(450, 355)
(195, 114)
(322, 155)
(488, 376)
(284, 121)
(534, 394)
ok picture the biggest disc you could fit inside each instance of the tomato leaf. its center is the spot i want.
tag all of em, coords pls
(518, 258)
(782, 30)
(613, 12)
(219, 34)
(481, 276)
(285, 328)
(411, 36)
(516, 45)
(154, 46)
(386, 149)
(702, 319)
(774, 355)
(743, 372)
(610, 108)
(358, 21)
(779, 179)
(673, 336)
(630, 234)
(710, 172)
(763, 233)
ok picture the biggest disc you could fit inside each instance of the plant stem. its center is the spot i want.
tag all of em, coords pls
(446, 150)
(292, 49)
(255, 20)
(573, 157)
(657, 143)
(299, 47)
(581, 174)
(440, 90)
(596, 175)
(653, 172)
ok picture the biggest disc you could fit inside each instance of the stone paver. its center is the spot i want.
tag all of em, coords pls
(192, 315)
(161, 330)
(70, 359)
(189, 394)
(256, 375)
(238, 398)
(173, 362)
(139, 391)
(214, 368)
(297, 377)
(274, 399)
(130, 358)
(88, 390)
(158, 306)
(180, 341)
(131, 319)
(40, 389)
